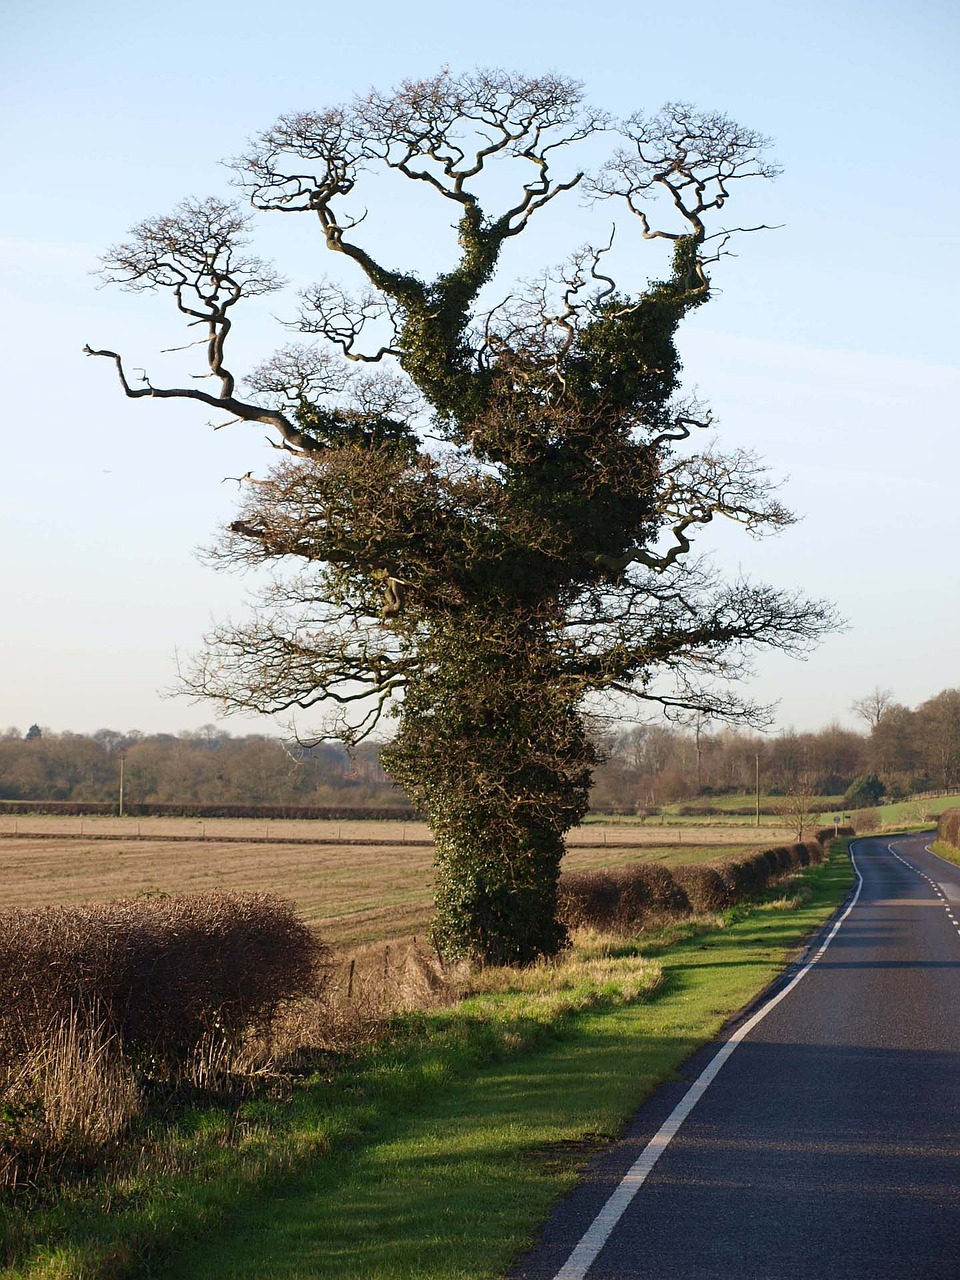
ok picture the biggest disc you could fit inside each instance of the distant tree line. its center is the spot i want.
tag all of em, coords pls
(900, 752)
(903, 750)
(207, 766)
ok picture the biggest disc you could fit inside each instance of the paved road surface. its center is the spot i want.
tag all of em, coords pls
(827, 1146)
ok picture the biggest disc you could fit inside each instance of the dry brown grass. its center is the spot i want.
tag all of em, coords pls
(354, 894)
(363, 987)
(591, 834)
(196, 828)
(64, 1102)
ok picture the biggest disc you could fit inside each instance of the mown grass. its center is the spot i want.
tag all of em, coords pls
(436, 1153)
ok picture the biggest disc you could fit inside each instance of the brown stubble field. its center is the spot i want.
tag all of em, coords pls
(354, 893)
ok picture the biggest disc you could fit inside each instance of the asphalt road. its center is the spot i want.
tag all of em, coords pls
(827, 1145)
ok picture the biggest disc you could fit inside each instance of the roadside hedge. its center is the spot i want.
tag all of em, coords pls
(628, 898)
(738, 811)
(948, 828)
(160, 973)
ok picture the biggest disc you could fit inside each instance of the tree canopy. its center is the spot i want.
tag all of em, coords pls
(491, 491)
(865, 791)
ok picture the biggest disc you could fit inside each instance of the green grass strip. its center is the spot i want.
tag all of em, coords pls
(437, 1157)
(947, 851)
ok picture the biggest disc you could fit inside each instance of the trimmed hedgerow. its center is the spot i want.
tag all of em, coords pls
(588, 898)
(628, 898)
(826, 834)
(747, 876)
(704, 886)
(161, 973)
(647, 890)
(738, 811)
(136, 809)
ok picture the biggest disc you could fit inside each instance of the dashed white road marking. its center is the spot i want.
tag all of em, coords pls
(930, 881)
(600, 1230)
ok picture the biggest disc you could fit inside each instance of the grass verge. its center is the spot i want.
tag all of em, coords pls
(437, 1153)
(947, 851)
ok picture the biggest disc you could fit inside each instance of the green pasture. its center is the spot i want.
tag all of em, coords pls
(917, 811)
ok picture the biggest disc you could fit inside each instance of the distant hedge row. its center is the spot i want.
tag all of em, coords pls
(826, 834)
(740, 811)
(948, 828)
(626, 898)
(82, 808)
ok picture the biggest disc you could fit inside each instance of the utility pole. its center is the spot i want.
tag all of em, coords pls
(758, 788)
(120, 808)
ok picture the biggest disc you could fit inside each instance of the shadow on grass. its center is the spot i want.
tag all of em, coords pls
(456, 1191)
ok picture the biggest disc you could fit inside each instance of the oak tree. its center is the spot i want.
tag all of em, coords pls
(491, 497)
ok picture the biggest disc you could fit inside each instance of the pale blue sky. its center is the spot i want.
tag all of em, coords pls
(830, 348)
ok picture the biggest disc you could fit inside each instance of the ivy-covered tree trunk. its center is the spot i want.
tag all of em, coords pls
(495, 897)
(491, 510)
(498, 758)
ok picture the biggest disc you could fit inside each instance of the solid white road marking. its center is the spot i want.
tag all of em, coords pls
(600, 1230)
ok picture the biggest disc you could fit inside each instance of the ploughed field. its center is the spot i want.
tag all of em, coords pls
(358, 882)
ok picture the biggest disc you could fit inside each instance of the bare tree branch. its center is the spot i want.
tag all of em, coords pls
(197, 254)
(690, 155)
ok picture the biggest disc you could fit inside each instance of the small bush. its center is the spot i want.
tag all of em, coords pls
(867, 819)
